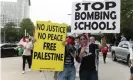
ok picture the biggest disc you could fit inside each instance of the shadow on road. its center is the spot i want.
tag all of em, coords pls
(121, 62)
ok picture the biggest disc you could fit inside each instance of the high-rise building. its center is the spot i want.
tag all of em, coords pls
(14, 11)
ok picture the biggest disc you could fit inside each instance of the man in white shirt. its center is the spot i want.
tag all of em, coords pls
(27, 53)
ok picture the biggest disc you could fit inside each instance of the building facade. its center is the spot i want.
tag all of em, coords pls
(14, 11)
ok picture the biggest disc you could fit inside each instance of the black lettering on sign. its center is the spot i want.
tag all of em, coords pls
(110, 4)
(49, 46)
(114, 25)
(83, 15)
(35, 55)
(76, 25)
(108, 27)
(79, 25)
(48, 56)
(96, 4)
(113, 16)
(40, 26)
(78, 7)
(41, 35)
(102, 25)
(106, 15)
(97, 16)
(39, 56)
(94, 25)
(87, 26)
(77, 15)
(86, 5)
(55, 37)
(53, 28)
(90, 15)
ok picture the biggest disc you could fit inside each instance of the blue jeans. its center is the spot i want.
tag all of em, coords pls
(88, 75)
(69, 73)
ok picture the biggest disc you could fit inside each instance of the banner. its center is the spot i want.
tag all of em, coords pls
(96, 16)
(49, 51)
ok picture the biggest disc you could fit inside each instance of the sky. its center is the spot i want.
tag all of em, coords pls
(51, 10)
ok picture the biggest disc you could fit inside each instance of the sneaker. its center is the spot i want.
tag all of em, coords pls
(23, 72)
(29, 70)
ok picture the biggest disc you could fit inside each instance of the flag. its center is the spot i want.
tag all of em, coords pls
(21, 42)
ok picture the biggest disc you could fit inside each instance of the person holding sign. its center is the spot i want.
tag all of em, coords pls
(89, 58)
(69, 71)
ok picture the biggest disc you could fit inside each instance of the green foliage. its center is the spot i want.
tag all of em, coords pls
(127, 18)
(27, 25)
(11, 32)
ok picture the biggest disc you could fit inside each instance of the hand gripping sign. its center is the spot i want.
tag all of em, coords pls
(93, 17)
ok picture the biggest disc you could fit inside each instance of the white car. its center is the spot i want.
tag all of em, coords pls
(122, 51)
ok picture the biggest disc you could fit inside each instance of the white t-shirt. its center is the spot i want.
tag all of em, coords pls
(26, 51)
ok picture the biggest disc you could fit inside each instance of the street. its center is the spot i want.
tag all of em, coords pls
(12, 70)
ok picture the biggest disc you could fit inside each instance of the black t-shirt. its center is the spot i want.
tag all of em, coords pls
(90, 58)
(69, 60)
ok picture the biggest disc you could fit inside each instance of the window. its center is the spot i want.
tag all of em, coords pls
(120, 44)
(6, 46)
(125, 46)
(13, 45)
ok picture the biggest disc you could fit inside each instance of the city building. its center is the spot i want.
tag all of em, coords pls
(14, 11)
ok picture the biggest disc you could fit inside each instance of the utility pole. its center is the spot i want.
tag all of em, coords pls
(4, 35)
(25, 32)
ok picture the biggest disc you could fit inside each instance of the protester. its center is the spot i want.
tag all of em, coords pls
(92, 39)
(69, 71)
(89, 58)
(77, 44)
(123, 38)
(31, 42)
(104, 52)
(27, 54)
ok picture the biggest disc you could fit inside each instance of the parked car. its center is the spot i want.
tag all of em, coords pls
(122, 51)
(8, 49)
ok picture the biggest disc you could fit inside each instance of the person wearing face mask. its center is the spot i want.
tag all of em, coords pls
(69, 72)
(27, 53)
(123, 38)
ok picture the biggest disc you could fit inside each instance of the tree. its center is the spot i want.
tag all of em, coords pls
(127, 18)
(69, 28)
(10, 32)
(27, 25)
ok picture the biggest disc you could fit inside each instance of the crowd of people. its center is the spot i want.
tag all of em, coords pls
(81, 49)
(84, 50)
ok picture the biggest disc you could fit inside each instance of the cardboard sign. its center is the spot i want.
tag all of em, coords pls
(48, 49)
(93, 17)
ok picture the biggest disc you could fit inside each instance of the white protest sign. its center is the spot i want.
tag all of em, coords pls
(96, 16)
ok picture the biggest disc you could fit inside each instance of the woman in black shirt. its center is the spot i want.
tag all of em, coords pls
(89, 58)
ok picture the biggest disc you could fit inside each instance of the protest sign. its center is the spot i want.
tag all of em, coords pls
(48, 53)
(96, 16)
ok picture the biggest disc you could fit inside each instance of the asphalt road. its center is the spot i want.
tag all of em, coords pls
(12, 70)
